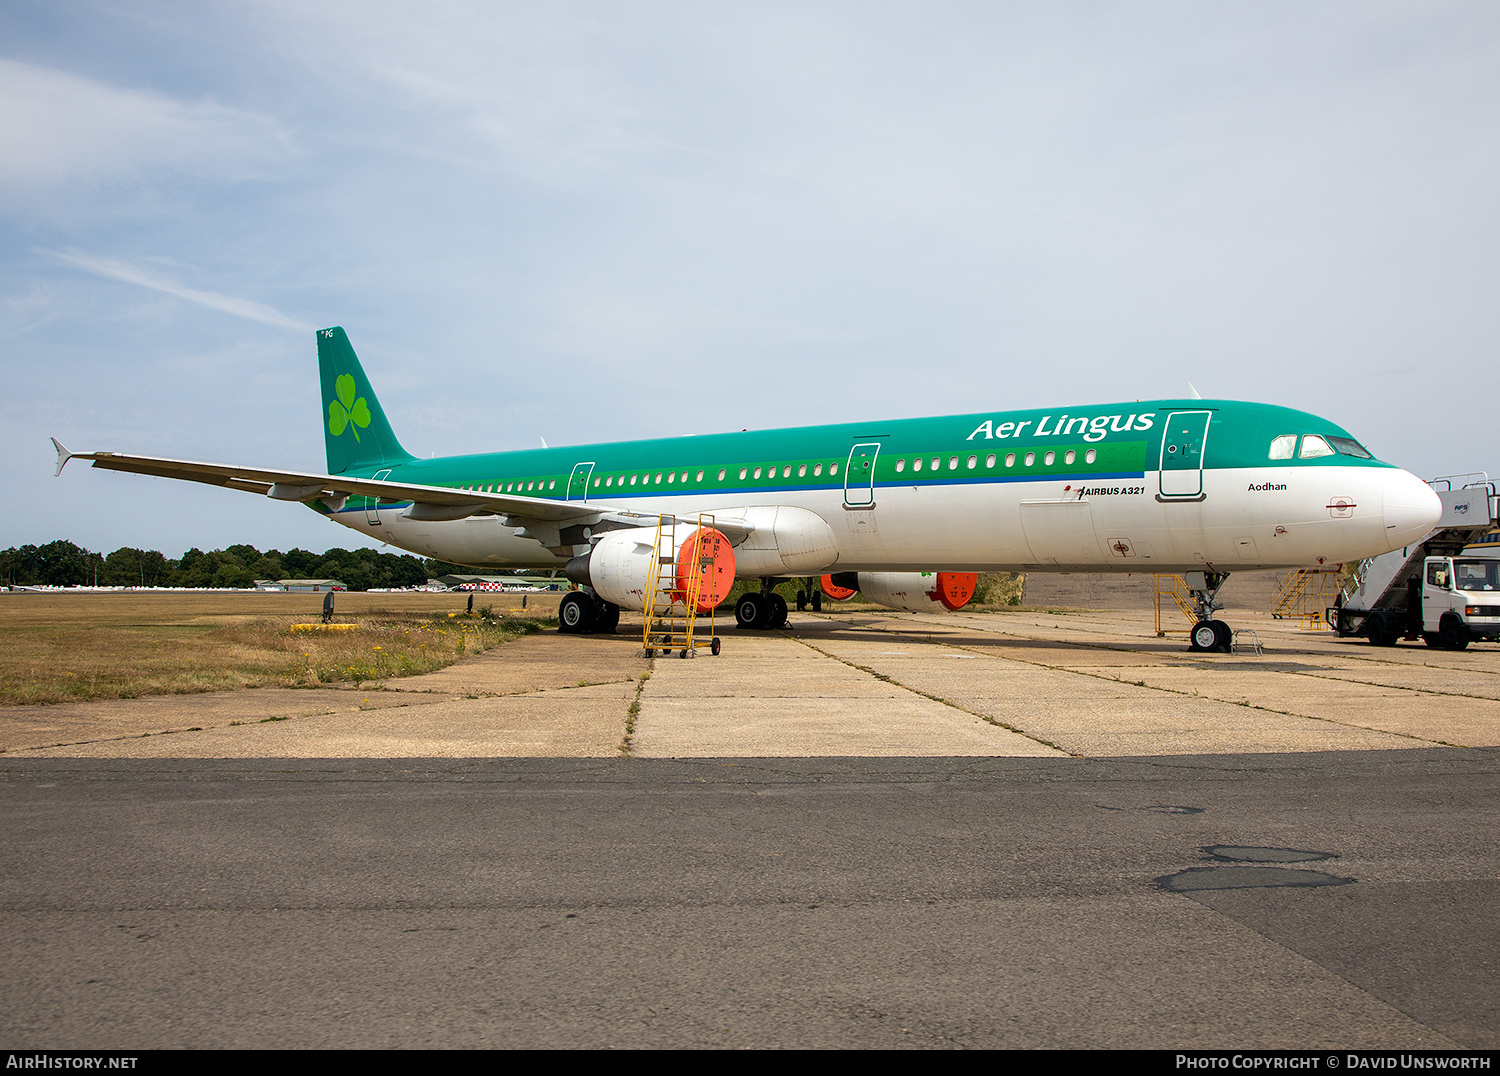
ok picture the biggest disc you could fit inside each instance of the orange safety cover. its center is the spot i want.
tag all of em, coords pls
(834, 591)
(709, 553)
(954, 589)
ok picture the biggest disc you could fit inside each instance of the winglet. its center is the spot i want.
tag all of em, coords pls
(1193, 393)
(63, 456)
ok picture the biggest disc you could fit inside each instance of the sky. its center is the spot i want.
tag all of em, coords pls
(598, 221)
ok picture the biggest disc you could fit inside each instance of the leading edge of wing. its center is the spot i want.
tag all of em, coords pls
(428, 502)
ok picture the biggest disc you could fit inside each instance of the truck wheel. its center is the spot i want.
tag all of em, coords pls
(1384, 630)
(1454, 634)
(1432, 639)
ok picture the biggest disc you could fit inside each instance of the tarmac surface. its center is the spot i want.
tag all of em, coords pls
(1027, 829)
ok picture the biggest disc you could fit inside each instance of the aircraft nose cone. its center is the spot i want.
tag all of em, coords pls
(1412, 509)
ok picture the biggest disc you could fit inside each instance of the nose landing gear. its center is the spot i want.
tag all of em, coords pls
(1208, 635)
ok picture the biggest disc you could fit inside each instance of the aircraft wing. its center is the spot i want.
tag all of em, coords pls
(541, 515)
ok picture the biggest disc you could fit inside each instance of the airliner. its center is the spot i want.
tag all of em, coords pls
(904, 511)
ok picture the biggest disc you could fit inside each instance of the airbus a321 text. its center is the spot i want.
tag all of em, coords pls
(903, 511)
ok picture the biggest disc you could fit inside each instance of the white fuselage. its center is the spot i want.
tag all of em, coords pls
(1247, 518)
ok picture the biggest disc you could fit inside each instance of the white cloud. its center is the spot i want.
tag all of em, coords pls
(57, 128)
(130, 274)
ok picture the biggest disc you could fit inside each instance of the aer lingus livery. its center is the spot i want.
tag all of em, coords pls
(900, 510)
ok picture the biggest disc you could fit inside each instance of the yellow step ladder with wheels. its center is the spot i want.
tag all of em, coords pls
(682, 580)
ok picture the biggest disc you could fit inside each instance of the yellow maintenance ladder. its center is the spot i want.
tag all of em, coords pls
(1306, 593)
(1175, 588)
(671, 615)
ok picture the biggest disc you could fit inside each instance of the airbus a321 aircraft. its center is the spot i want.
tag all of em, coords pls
(900, 510)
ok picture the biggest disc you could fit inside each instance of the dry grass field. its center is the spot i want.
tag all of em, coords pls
(70, 647)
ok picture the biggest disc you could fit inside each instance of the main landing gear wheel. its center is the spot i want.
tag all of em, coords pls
(576, 614)
(776, 611)
(608, 618)
(1212, 637)
(751, 611)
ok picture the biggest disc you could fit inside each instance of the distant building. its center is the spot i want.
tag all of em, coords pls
(470, 583)
(300, 586)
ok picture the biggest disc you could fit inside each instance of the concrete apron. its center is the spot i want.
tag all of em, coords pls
(857, 682)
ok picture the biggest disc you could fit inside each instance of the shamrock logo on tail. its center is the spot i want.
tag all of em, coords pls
(346, 410)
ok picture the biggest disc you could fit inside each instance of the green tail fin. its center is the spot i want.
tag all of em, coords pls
(355, 430)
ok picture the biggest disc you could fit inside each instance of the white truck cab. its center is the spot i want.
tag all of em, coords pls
(1460, 600)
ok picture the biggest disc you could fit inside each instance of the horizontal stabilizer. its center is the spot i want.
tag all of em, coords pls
(63, 456)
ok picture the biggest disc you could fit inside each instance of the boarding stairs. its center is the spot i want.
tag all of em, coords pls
(672, 620)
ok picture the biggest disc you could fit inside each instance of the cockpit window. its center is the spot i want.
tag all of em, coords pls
(1314, 446)
(1347, 446)
(1283, 447)
(1476, 574)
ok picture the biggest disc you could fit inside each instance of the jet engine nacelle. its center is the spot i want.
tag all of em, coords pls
(916, 592)
(785, 541)
(619, 567)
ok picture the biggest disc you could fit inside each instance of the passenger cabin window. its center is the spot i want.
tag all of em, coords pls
(1314, 446)
(1283, 447)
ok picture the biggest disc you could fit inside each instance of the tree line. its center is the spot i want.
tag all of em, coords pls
(62, 563)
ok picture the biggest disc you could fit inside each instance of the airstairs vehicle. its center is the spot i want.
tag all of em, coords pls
(1445, 589)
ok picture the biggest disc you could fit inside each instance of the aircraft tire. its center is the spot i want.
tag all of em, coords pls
(575, 616)
(608, 618)
(817, 601)
(776, 613)
(1204, 637)
(751, 612)
(1223, 637)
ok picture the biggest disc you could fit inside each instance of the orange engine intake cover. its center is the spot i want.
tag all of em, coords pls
(709, 553)
(834, 591)
(954, 589)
